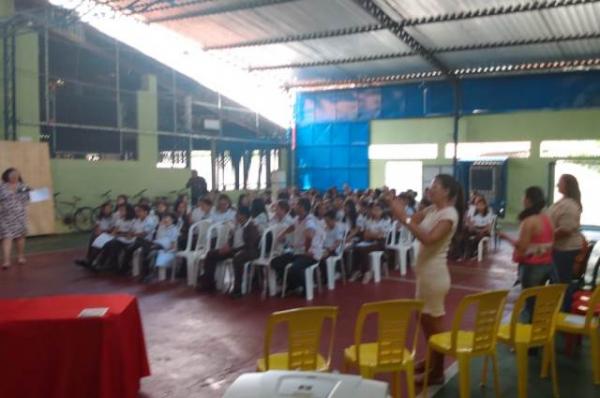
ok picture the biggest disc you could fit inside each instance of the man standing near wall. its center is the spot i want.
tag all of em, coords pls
(197, 185)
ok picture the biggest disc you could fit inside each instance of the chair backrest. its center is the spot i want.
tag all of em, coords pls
(548, 300)
(340, 249)
(390, 239)
(406, 237)
(305, 327)
(592, 307)
(393, 321)
(212, 235)
(489, 308)
(267, 243)
(591, 270)
(198, 229)
(493, 226)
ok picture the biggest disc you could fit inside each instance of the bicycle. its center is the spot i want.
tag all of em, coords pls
(79, 218)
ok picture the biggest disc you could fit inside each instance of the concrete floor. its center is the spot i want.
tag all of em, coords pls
(198, 344)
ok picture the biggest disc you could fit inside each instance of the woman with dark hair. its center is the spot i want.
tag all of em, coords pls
(243, 200)
(104, 224)
(350, 219)
(14, 196)
(258, 213)
(434, 228)
(533, 247)
(568, 241)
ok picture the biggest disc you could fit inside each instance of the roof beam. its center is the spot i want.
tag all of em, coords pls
(492, 11)
(439, 50)
(398, 30)
(300, 37)
(226, 8)
(528, 67)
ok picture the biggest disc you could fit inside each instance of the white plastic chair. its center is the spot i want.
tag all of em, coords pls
(401, 242)
(309, 280)
(267, 253)
(224, 273)
(332, 261)
(376, 265)
(194, 268)
(487, 240)
(191, 252)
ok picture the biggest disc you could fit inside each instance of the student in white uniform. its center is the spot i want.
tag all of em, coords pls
(258, 212)
(104, 224)
(308, 240)
(283, 223)
(202, 211)
(164, 244)
(223, 212)
(478, 226)
(374, 236)
(144, 228)
(123, 235)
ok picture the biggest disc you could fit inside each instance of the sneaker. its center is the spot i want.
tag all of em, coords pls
(367, 277)
(355, 276)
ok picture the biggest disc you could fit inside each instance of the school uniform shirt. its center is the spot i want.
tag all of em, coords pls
(361, 222)
(339, 216)
(238, 235)
(166, 237)
(333, 235)
(198, 215)
(481, 221)
(300, 228)
(261, 221)
(227, 216)
(124, 227)
(378, 227)
(147, 226)
(317, 248)
(105, 224)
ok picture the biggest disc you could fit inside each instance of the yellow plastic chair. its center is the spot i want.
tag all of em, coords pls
(389, 352)
(587, 325)
(478, 341)
(540, 333)
(305, 326)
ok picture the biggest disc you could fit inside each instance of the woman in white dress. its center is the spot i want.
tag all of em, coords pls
(434, 228)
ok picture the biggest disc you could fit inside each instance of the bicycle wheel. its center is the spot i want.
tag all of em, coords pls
(83, 219)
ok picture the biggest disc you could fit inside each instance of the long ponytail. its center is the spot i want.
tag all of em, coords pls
(456, 194)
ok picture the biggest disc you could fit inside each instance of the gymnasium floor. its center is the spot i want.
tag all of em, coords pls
(198, 344)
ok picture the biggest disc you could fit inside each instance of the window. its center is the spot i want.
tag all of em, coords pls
(570, 148)
(477, 150)
(172, 160)
(403, 176)
(403, 151)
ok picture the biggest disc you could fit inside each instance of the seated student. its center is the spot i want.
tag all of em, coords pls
(406, 200)
(307, 246)
(363, 216)
(223, 212)
(338, 206)
(122, 233)
(320, 209)
(334, 234)
(478, 226)
(183, 223)
(202, 211)
(373, 240)
(165, 240)
(242, 247)
(282, 221)
(104, 224)
(258, 212)
(350, 220)
(144, 227)
(161, 209)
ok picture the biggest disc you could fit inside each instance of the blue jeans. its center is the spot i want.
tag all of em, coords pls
(563, 273)
(530, 276)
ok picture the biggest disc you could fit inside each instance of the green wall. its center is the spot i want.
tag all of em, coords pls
(518, 126)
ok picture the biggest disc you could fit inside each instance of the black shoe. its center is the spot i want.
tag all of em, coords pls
(82, 263)
(236, 295)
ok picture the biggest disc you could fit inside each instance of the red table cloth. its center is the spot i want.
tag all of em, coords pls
(47, 351)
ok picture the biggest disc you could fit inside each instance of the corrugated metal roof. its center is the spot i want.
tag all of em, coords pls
(339, 56)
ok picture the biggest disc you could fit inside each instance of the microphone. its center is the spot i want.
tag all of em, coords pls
(24, 189)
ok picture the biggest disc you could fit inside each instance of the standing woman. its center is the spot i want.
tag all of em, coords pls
(434, 228)
(14, 196)
(533, 247)
(566, 216)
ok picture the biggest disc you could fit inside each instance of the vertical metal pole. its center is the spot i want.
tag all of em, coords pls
(46, 71)
(220, 111)
(457, 106)
(5, 77)
(118, 96)
(268, 166)
(213, 163)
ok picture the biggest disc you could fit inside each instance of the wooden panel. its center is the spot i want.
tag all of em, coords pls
(32, 159)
